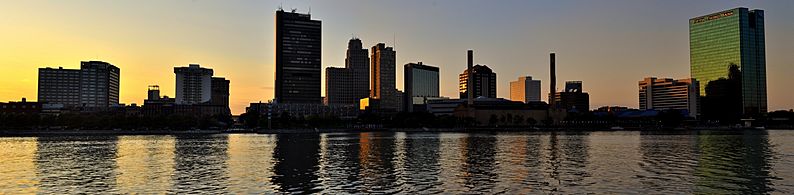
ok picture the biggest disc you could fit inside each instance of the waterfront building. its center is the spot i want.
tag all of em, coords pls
(720, 40)
(573, 99)
(219, 93)
(93, 87)
(59, 86)
(349, 84)
(383, 78)
(483, 82)
(669, 94)
(298, 58)
(21, 107)
(525, 90)
(99, 85)
(502, 112)
(420, 82)
(193, 84)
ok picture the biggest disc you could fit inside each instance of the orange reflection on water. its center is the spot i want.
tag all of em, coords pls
(18, 167)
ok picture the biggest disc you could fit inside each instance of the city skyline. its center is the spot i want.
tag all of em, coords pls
(252, 73)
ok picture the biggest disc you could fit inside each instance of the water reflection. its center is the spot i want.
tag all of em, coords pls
(76, 165)
(733, 163)
(145, 164)
(17, 165)
(200, 164)
(701, 162)
(296, 162)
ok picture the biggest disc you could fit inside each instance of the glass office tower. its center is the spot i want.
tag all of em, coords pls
(730, 38)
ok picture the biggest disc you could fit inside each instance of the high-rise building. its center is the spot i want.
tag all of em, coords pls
(298, 54)
(420, 82)
(720, 40)
(219, 92)
(349, 84)
(59, 86)
(525, 90)
(483, 82)
(193, 84)
(384, 76)
(99, 85)
(669, 94)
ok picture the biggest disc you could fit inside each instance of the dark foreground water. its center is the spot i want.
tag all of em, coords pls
(738, 162)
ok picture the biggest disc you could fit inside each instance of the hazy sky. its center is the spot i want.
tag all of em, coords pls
(609, 45)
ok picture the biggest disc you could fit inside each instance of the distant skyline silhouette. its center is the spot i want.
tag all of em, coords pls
(609, 45)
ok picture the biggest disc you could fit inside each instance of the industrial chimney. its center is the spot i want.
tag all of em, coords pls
(553, 79)
(469, 79)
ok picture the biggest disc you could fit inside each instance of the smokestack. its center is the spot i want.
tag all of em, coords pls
(470, 80)
(553, 78)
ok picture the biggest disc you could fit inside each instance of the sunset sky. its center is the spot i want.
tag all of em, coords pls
(609, 45)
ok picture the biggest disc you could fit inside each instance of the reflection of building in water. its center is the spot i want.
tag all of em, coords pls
(668, 161)
(339, 161)
(250, 162)
(296, 162)
(566, 160)
(613, 158)
(421, 161)
(200, 164)
(88, 163)
(145, 164)
(479, 163)
(518, 163)
(18, 166)
(377, 161)
(733, 163)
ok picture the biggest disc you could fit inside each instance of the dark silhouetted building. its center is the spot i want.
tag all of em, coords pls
(420, 82)
(722, 39)
(94, 87)
(21, 107)
(220, 92)
(99, 85)
(298, 52)
(483, 82)
(59, 86)
(349, 84)
(384, 76)
(573, 99)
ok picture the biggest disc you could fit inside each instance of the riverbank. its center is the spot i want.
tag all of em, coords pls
(41, 133)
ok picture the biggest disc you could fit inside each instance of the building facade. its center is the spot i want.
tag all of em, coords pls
(728, 38)
(349, 84)
(59, 86)
(193, 84)
(573, 99)
(298, 58)
(669, 94)
(525, 90)
(383, 76)
(420, 82)
(484, 82)
(99, 85)
(220, 91)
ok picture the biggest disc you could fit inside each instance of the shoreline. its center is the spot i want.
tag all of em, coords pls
(44, 133)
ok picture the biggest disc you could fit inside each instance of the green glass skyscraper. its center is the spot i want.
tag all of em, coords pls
(721, 40)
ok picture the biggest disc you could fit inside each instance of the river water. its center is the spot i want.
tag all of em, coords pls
(705, 162)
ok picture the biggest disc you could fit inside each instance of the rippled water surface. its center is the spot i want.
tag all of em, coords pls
(706, 162)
